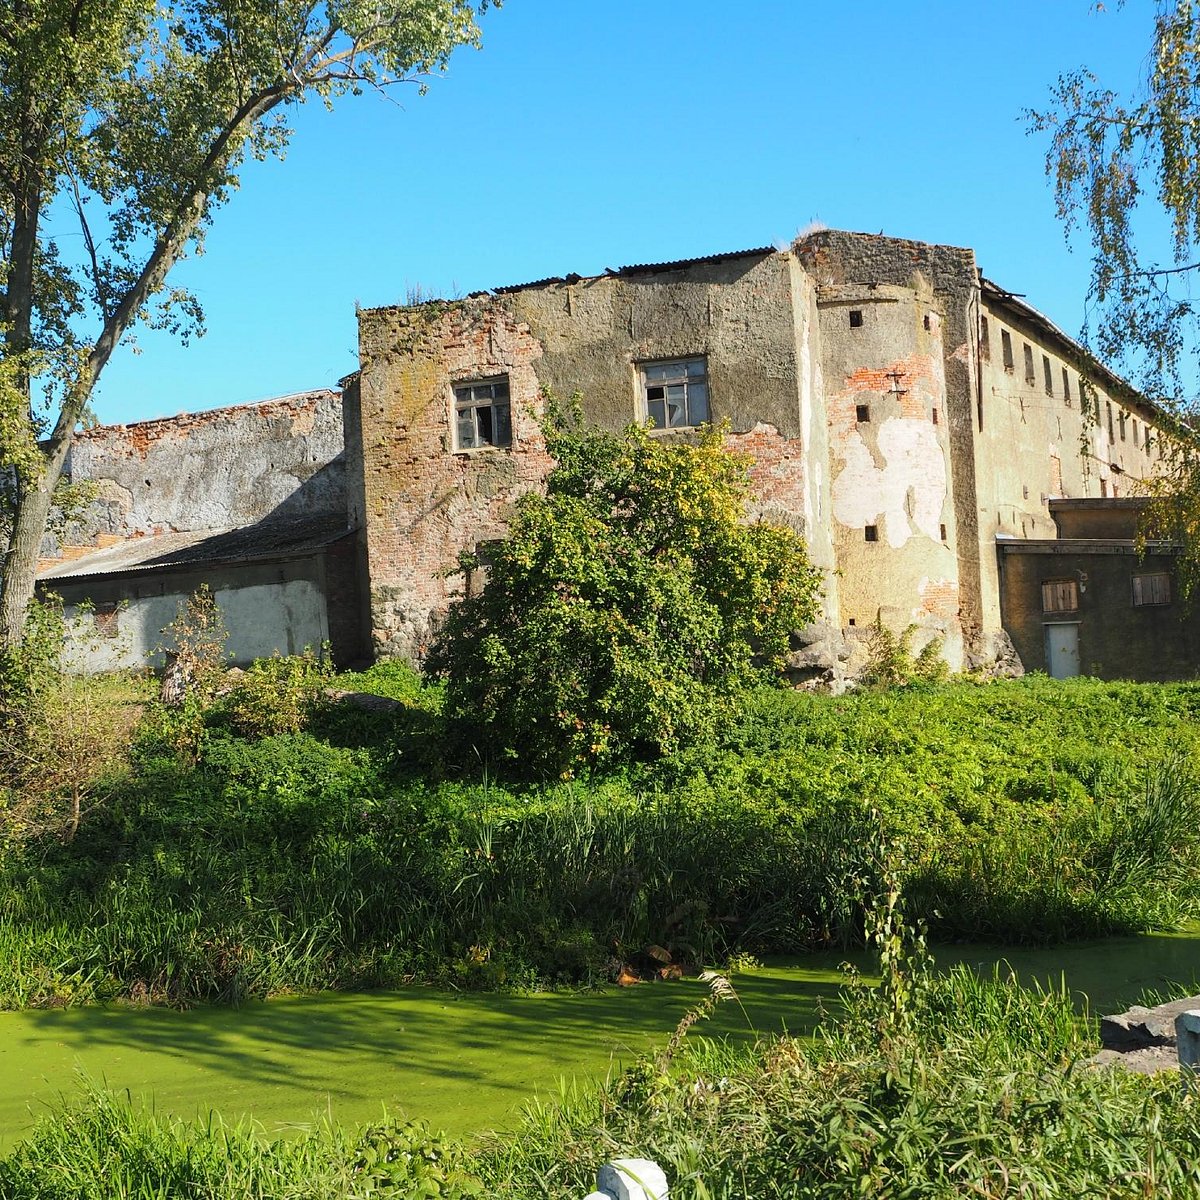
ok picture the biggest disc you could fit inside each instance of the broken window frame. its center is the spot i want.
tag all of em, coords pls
(482, 414)
(683, 383)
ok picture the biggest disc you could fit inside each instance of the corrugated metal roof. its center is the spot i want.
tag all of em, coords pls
(205, 547)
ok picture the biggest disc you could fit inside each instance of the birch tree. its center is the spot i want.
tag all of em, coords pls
(1126, 174)
(135, 116)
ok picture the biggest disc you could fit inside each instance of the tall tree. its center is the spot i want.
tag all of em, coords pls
(136, 115)
(1119, 166)
(1126, 174)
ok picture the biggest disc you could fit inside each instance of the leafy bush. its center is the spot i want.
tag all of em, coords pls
(625, 609)
(276, 695)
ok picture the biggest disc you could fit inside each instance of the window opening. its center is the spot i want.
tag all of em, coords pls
(985, 344)
(1049, 375)
(1151, 588)
(675, 393)
(862, 412)
(935, 416)
(1006, 349)
(871, 533)
(1111, 438)
(1030, 377)
(942, 528)
(1066, 388)
(1122, 418)
(856, 318)
(1060, 595)
(482, 414)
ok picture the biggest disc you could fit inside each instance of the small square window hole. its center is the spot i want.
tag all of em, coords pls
(871, 533)
(862, 412)
(856, 318)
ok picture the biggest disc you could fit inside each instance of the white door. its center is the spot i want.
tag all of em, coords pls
(1062, 650)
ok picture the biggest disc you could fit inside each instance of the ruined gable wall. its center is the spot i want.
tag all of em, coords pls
(215, 470)
(752, 319)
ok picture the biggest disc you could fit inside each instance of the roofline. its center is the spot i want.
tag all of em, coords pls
(993, 291)
(608, 273)
(212, 412)
(316, 546)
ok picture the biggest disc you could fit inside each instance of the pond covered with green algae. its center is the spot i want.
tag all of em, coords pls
(465, 1062)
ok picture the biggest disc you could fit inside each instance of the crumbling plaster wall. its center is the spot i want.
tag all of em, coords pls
(1038, 440)
(898, 388)
(424, 502)
(752, 317)
(214, 470)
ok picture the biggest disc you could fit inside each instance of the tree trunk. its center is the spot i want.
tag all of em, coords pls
(20, 563)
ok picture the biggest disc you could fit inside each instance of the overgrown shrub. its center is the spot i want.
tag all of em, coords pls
(344, 856)
(276, 695)
(63, 737)
(626, 608)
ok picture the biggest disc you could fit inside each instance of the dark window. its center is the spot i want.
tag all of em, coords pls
(1006, 349)
(482, 416)
(871, 533)
(856, 318)
(985, 342)
(862, 412)
(1066, 388)
(943, 531)
(106, 617)
(1060, 595)
(1030, 377)
(1152, 588)
(935, 416)
(675, 393)
(928, 323)
(1049, 376)
(1111, 438)
(1122, 419)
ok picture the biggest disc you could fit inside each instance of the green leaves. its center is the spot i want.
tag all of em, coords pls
(626, 610)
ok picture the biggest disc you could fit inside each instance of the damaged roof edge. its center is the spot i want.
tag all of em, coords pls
(610, 273)
(217, 412)
(994, 292)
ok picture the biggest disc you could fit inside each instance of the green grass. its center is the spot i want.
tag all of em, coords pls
(465, 1062)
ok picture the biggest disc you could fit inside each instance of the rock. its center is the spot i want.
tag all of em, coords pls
(1140, 1027)
(1149, 1060)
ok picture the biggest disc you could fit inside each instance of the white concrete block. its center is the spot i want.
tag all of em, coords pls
(1187, 1038)
(632, 1179)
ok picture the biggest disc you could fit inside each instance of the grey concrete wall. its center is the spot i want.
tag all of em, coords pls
(1035, 443)
(267, 608)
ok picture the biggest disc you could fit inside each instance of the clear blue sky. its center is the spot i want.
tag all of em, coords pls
(590, 135)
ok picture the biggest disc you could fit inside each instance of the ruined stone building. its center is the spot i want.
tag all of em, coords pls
(912, 420)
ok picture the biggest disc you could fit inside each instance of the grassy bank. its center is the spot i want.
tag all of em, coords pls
(352, 853)
(931, 1085)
